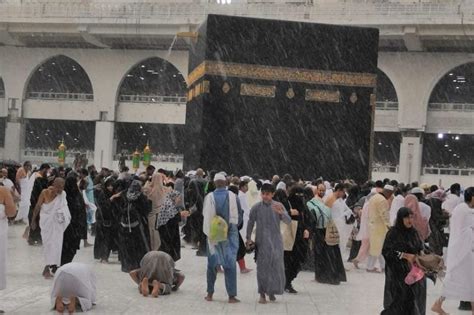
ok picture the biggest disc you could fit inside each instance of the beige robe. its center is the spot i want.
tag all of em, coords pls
(379, 216)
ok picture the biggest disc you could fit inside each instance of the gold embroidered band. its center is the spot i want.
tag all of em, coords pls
(323, 96)
(257, 90)
(260, 72)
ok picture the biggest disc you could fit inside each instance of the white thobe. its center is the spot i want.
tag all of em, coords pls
(78, 280)
(3, 247)
(451, 202)
(253, 195)
(54, 219)
(459, 280)
(246, 209)
(397, 203)
(340, 211)
(26, 186)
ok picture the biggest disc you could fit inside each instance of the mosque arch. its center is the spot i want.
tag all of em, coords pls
(151, 79)
(59, 77)
(455, 86)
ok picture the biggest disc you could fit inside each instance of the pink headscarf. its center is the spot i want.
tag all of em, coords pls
(439, 194)
(420, 224)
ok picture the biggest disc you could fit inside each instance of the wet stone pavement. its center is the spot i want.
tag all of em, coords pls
(28, 293)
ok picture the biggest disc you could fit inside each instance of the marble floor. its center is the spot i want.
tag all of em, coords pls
(28, 293)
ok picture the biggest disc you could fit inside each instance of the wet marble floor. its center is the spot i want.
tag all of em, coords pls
(28, 293)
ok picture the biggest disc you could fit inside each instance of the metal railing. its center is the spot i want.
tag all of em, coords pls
(162, 157)
(451, 171)
(386, 105)
(60, 96)
(385, 169)
(463, 107)
(191, 13)
(152, 99)
(47, 153)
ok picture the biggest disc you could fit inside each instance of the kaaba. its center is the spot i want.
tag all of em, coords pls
(272, 97)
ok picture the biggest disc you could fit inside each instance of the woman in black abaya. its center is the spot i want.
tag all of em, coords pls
(106, 223)
(167, 224)
(401, 245)
(78, 225)
(295, 258)
(133, 208)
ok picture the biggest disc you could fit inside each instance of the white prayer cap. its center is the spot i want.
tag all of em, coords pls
(219, 176)
(388, 187)
(417, 190)
(267, 182)
(246, 178)
(191, 173)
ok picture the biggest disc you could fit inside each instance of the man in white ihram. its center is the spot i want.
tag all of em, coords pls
(54, 219)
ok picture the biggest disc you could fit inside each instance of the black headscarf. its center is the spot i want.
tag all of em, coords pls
(280, 196)
(402, 213)
(297, 198)
(134, 190)
(108, 181)
(71, 188)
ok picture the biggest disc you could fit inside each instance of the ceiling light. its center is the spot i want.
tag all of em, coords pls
(143, 66)
(456, 138)
(446, 145)
(440, 136)
(451, 74)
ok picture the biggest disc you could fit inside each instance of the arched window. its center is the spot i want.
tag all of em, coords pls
(455, 90)
(150, 80)
(386, 95)
(387, 148)
(47, 134)
(163, 139)
(448, 150)
(60, 77)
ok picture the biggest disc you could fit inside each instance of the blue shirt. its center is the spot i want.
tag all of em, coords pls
(221, 197)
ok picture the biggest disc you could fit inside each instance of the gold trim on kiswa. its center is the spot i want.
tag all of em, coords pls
(373, 100)
(323, 96)
(257, 90)
(260, 72)
(198, 89)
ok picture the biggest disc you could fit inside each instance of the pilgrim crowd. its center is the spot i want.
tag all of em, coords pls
(412, 233)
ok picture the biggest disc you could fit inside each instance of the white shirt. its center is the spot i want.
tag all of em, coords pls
(7, 183)
(425, 210)
(397, 203)
(451, 202)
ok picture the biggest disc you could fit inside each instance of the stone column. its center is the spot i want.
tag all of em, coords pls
(411, 151)
(14, 132)
(104, 144)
